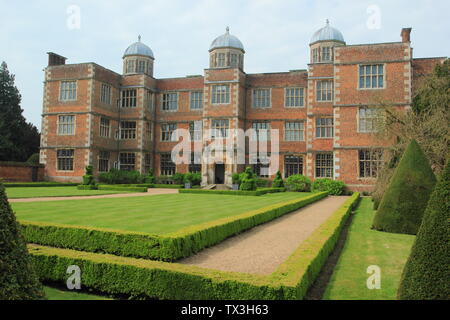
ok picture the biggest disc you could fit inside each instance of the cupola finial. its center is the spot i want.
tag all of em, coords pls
(228, 29)
(328, 22)
(139, 38)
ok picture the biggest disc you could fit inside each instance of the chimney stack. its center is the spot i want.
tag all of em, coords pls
(55, 59)
(406, 34)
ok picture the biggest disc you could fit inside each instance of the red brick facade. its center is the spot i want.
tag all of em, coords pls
(342, 143)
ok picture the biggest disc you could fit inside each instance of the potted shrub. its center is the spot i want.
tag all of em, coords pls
(188, 180)
(196, 178)
(235, 180)
(150, 177)
(178, 178)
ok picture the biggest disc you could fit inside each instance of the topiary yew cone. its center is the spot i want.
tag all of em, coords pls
(404, 202)
(426, 273)
(18, 281)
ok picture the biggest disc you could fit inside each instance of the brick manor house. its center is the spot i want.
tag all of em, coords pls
(325, 115)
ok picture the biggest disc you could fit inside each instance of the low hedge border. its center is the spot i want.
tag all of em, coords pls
(169, 247)
(147, 185)
(121, 188)
(38, 184)
(140, 278)
(87, 187)
(167, 186)
(258, 192)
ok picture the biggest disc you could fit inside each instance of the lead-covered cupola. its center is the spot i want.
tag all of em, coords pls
(226, 51)
(322, 43)
(138, 59)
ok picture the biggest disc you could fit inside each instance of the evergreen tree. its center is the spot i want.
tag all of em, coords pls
(426, 274)
(18, 280)
(18, 139)
(404, 202)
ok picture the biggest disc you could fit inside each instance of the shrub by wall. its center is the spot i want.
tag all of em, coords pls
(168, 247)
(154, 279)
(404, 202)
(426, 273)
(334, 187)
(298, 182)
(115, 176)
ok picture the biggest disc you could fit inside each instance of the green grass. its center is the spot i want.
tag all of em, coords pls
(39, 192)
(57, 294)
(154, 214)
(365, 247)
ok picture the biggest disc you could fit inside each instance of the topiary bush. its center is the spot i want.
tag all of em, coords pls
(150, 177)
(404, 202)
(88, 178)
(299, 183)
(334, 187)
(18, 280)
(426, 273)
(248, 180)
(278, 181)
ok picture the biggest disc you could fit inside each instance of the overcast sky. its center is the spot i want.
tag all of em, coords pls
(275, 33)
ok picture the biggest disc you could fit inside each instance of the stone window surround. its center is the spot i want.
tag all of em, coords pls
(302, 96)
(253, 101)
(168, 93)
(72, 157)
(358, 65)
(66, 82)
(73, 124)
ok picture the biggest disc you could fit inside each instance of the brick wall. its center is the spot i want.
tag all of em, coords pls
(21, 173)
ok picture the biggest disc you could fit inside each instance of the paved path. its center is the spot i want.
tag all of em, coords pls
(150, 192)
(262, 249)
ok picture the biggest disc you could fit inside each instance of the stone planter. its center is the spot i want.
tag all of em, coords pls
(234, 187)
(187, 186)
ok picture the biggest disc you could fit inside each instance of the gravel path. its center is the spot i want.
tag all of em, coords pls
(150, 192)
(261, 249)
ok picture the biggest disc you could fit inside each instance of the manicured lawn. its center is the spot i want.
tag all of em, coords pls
(38, 192)
(57, 294)
(153, 214)
(366, 247)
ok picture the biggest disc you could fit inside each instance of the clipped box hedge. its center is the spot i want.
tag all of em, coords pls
(155, 279)
(147, 185)
(113, 187)
(169, 247)
(38, 184)
(87, 187)
(258, 192)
